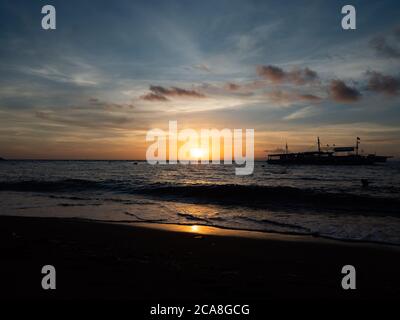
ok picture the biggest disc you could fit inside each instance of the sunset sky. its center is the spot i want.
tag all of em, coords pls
(112, 70)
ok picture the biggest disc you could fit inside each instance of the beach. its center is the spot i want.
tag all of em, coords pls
(155, 262)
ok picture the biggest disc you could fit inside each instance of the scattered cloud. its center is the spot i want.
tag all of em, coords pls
(153, 97)
(309, 97)
(104, 105)
(302, 113)
(232, 86)
(175, 91)
(340, 92)
(381, 83)
(159, 93)
(271, 73)
(397, 32)
(286, 98)
(71, 72)
(384, 48)
(202, 67)
(85, 119)
(278, 75)
(302, 77)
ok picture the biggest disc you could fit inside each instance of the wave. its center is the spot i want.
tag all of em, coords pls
(190, 217)
(144, 219)
(279, 224)
(50, 186)
(229, 194)
(276, 197)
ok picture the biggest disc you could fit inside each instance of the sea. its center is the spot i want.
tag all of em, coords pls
(322, 201)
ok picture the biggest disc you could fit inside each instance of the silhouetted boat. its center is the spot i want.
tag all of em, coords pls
(334, 156)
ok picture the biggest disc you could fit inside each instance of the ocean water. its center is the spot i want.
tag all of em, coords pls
(324, 201)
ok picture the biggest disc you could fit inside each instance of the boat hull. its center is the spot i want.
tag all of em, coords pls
(334, 160)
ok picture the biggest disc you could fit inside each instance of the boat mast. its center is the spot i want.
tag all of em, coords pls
(286, 148)
(357, 143)
(319, 145)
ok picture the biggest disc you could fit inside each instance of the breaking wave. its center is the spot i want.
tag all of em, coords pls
(229, 194)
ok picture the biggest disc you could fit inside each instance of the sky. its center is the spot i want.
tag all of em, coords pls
(113, 70)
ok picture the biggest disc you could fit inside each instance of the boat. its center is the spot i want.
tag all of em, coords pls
(330, 156)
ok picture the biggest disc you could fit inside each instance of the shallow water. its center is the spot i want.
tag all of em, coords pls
(325, 201)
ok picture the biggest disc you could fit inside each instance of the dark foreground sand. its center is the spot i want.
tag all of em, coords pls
(98, 260)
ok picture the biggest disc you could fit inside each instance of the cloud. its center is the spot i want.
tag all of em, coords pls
(153, 97)
(340, 92)
(202, 67)
(99, 104)
(175, 91)
(397, 32)
(381, 83)
(284, 97)
(274, 74)
(232, 86)
(309, 97)
(94, 114)
(278, 75)
(302, 113)
(85, 120)
(159, 93)
(385, 49)
(302, 76)
(70, 71)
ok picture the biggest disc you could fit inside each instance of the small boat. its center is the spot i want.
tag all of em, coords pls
(332, 156)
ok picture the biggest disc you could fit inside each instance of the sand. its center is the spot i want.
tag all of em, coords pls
(112, 261)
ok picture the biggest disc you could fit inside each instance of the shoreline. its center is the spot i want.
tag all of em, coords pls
(139, 262)
(216, 230)
(255, 234)
(203, 229)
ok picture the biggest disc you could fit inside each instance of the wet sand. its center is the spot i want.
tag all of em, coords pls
(112, 261)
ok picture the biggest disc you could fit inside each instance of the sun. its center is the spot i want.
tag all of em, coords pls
(197, 153)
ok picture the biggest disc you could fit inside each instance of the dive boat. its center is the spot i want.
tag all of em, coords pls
(332, 156)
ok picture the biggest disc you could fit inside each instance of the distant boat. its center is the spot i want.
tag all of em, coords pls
(333, 156)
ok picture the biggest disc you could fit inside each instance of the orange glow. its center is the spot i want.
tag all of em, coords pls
(197, 153)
